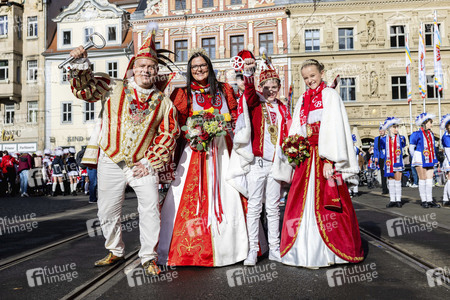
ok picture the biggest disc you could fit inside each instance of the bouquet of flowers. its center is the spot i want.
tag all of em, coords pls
(296, 149)
(203, 126)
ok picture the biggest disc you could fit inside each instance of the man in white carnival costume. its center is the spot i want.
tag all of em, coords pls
(260, 130)
(137, 137)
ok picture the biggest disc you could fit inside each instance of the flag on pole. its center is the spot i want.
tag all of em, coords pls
(408, 69)
(422, 74)
(438, 78)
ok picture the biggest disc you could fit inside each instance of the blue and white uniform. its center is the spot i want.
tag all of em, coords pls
(445, 142)
(393, 147)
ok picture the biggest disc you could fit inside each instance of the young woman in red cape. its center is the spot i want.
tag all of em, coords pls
(320, 226)
(202, 218)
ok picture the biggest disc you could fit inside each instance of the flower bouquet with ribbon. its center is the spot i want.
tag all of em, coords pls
(203, 126)
(296, 149)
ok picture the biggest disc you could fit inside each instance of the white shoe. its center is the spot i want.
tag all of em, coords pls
(251, 258)
(25, 195)
(275, 255)
(414, 186)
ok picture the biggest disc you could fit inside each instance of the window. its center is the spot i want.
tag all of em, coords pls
(208, 3)
(348, 89)
(112, 33)
(112, 69)
(429, 32)
(32, 111)
(18, 75)
(87, 33)
(345, 38)
(3, 25)
(234, 2)
(180, 4)
(9, 113)
(397, 36)
(67, 37)
(432, 91)
(209, 45)
(19, 28)
(181, 50)
(266, 41)
(89, 111)
(312, 40)
(32, 27)
(236, 44)
(157, 45)
(64, 76)
(66, 111)
(398, 88)
(32, 70)
(3, 69)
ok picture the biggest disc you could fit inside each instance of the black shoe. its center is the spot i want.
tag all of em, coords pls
(74, 193)
(54, 194)
(445, 203)
(391, 204)
(425, 205)
(434, 204)
(399, 204)
(385, 193)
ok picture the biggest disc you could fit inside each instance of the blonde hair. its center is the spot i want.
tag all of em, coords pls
(313, 62)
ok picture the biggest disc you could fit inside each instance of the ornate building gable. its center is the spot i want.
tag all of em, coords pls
(86, 10)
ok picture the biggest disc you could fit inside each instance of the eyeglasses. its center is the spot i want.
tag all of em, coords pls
(197, 67)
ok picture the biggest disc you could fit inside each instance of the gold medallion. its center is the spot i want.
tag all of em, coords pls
(309, 131)
(273, 130)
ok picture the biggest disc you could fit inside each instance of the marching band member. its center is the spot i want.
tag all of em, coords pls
(393, 144)
(319, 195)
(138, 132)
(72, 171)
(424, 157)
(445, 126)
(203, 221)
(354, 189)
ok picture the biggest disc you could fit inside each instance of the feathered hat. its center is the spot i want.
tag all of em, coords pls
(381, 126)
(423, 117)
(445, 119)
(148, 50)
(267, 69)
(389, 122)
(354, 138)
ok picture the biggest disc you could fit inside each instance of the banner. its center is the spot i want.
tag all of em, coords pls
(408, 69)
(438, 75)
(422, 74)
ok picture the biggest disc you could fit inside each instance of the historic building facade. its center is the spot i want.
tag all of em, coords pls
(363, 42)
(22, 40)
(70, 121)
(221, 27)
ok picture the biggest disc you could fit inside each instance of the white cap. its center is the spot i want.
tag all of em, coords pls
(58, 153)
(66, 151)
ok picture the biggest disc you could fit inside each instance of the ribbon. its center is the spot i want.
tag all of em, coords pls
(428, 151)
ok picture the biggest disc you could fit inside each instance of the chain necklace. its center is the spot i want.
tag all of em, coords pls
(138, 111)
(272, 129)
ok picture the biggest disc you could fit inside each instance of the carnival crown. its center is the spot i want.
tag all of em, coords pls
(390, 121)
(445, 119)
(195, 51)
(423, 117)
(267, 69)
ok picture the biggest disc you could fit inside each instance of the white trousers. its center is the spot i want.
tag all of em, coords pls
(262, 185)
(112, 181)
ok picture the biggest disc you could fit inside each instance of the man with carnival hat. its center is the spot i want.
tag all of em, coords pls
(137, 137)
(258, 143)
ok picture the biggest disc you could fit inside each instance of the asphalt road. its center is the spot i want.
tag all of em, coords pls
(383, 274)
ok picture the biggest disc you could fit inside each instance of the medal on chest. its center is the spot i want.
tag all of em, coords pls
(271, 128)
(139, 110)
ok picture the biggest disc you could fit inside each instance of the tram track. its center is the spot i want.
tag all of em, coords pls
(17, 259)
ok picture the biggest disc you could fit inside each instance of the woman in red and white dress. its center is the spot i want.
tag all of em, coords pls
(314, 236)
(202, 217)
